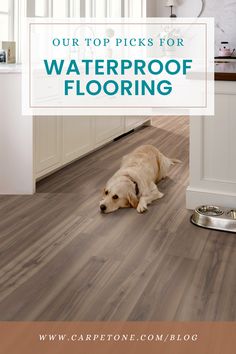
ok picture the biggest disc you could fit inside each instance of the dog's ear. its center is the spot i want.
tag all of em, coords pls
(133, 200)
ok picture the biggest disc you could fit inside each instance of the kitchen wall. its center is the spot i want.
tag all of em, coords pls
(224, 12)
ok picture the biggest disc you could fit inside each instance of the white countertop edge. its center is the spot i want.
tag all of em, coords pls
(10, 68)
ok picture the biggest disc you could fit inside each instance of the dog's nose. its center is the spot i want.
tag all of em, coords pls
(103, 207)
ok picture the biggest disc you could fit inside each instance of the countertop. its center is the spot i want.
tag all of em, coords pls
(10, 68)
(224, 70)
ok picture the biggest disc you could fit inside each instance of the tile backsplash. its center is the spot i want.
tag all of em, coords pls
(224, 12)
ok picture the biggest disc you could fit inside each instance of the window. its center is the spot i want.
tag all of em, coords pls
(86, 8)
(6, 20)
(41, 8)
(60, 9)
(52, 8)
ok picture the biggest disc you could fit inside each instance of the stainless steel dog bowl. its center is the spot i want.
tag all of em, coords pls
(232, 214)
(214, 217)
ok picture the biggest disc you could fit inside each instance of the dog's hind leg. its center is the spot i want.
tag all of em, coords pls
(164, 163)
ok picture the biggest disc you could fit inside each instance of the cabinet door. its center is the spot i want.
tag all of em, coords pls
(107, 128)
(47, 133)
(77, 137)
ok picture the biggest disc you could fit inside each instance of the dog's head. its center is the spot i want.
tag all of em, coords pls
(119, 193)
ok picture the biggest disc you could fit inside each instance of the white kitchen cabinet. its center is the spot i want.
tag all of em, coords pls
(107, 128)
(77, 137)
(61, 140)
(47, 144)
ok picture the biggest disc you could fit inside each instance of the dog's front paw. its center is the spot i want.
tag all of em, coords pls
(142, 207)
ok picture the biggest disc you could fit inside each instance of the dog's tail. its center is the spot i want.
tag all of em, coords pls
(174, 161)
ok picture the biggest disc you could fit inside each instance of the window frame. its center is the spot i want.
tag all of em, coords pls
(69, 9)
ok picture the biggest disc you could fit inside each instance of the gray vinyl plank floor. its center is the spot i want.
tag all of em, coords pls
(60, 259)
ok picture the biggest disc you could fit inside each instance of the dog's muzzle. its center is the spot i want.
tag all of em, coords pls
(103, 207)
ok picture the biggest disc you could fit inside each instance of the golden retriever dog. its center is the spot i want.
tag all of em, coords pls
(134, 184)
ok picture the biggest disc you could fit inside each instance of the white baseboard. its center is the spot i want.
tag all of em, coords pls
(196, 197)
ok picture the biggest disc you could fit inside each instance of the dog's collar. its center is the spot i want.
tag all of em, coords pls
(135, 184)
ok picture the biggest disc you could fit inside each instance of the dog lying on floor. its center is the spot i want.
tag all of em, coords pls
(134, 184)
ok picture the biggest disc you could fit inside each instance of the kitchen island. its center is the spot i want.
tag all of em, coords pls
(31, 147)
(213, 146)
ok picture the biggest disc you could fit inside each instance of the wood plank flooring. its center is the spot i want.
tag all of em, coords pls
(60, 259)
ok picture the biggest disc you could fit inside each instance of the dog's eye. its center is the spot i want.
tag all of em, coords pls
(106, 192)
(115, 196)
